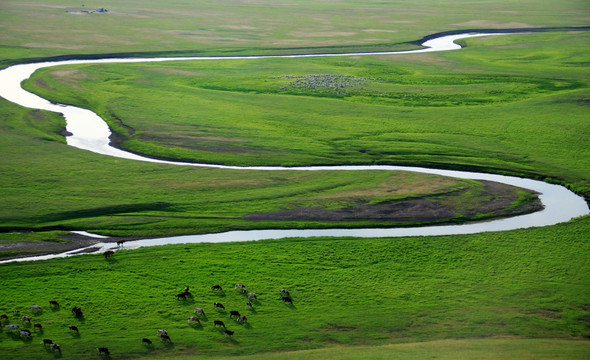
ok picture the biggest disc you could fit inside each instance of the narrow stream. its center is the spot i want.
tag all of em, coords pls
(90, 132)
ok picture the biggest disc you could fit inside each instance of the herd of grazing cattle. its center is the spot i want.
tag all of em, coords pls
(16, 331)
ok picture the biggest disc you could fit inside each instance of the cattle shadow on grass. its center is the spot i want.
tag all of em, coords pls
(197, 326)
(245, 325)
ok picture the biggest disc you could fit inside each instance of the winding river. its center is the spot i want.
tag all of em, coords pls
(90, 132)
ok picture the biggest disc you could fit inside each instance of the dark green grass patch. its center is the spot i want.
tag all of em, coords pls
(523, 284)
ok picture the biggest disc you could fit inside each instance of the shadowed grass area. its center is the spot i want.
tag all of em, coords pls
(516, 349)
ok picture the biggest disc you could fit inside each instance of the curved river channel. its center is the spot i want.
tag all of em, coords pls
(90, 132)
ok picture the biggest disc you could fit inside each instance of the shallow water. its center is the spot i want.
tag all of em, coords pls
(90, 132)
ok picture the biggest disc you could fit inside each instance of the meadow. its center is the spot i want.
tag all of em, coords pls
(525, 284)
(515, 104)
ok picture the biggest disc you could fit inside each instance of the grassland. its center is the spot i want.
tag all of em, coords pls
(516, 104)
(527, 284)
(42, 28)
(479, 108)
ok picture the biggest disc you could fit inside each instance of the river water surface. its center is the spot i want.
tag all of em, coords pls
(90, 132)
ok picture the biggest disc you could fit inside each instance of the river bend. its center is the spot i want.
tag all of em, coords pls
(90, 132)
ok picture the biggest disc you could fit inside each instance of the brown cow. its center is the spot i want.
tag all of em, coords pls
(107, 254)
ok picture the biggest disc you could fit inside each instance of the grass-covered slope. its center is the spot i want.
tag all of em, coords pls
(518, 284)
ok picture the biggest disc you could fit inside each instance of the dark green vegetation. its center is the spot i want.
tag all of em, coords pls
(519, 284)
(515, 104)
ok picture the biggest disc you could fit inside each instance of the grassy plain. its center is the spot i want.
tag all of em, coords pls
(526, 284)
(42, 28)
(478, 108)
(516, 104)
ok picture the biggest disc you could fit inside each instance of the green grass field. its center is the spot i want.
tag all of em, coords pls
(526, 284)
(515, 104)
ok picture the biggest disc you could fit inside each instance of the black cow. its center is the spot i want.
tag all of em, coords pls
(218, 323)
(103, 351)
(47, 342)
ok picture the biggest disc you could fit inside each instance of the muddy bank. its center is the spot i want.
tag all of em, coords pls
(67, 242)
(494, 201)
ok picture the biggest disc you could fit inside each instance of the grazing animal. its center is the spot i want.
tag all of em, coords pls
(146, 341)
(78, 313)
(234, 313)
(162, 332)
(218, 305)
(252, 296)
(12, 327)
(103, 351)
(200, 311)
(193, 319)
(25, 319)
(36, 308)
(183, 295)
(74, 329)
(217, 287)
(165, 337)
(240, 286)
(107, 254)
(244, 291)
(249, 305)
(25, 333)
(218, 323)
(229, 332)
(242, 319)
(288, 300)
(3, 317)
(15, 312)
(76, 309)
(54, 347)
(284, 292)
(120, 243)
(38, 326)
(53, 303)
(46, 342)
